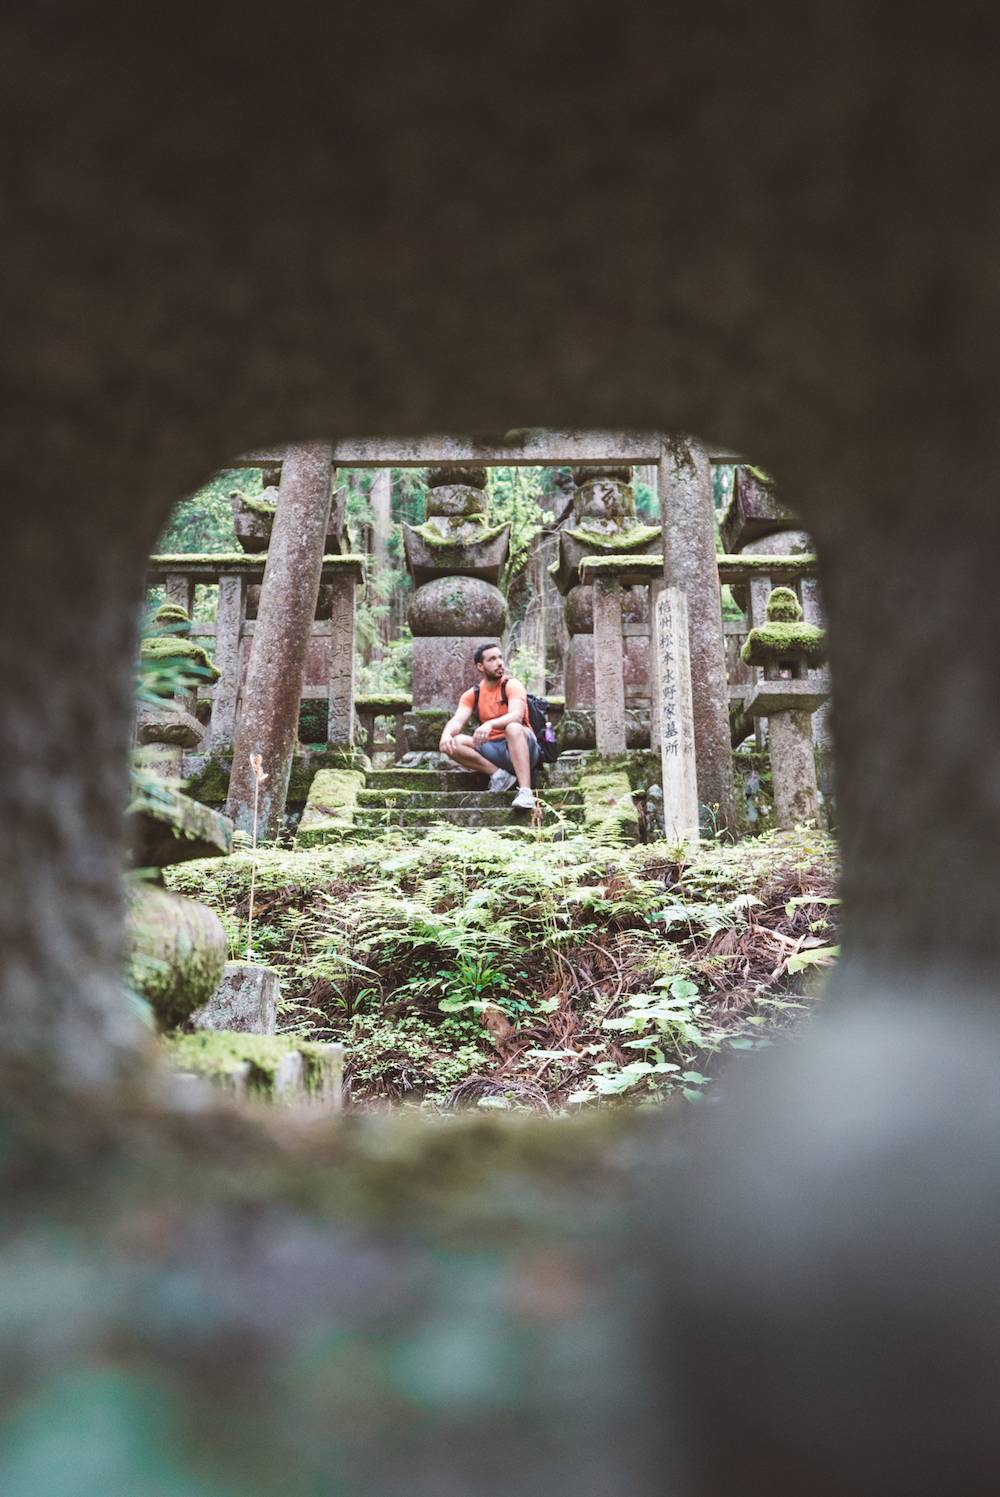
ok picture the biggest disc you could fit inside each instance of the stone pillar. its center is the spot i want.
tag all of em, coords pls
(674, 712)
(609, 666)
(179, 590)
(268, 724)
(793, 769)
(340, 727)
(689, 564)
(228, 628)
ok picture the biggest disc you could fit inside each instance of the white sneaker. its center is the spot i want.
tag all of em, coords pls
(524, 800)
(502, 779)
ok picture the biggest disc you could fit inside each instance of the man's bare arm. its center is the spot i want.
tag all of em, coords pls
(517, 713)
(454, 725)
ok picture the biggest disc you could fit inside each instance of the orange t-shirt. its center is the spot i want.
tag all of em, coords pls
(490, 702)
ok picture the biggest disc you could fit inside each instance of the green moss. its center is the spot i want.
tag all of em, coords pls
(619, 540)
(759, 475)
(172, 615)
(785, 641)
(609, 812)
(642, 566)
(432, 714)
(216, 1054)
(329, 812)
(387, 703)
(556, 701)
(180, 562)
(175, 961)
(783, 606)
(165, 647)
(431, 534)
(748, 565)
(255, 504)
(210, 784)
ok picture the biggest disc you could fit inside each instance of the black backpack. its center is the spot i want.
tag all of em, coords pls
(538, 722)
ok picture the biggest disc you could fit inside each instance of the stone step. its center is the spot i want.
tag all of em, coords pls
(471, 816)
(430, 800)
(424, 779)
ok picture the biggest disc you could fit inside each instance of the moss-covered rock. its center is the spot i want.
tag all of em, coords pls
(177, 952)
(329, 811)
(774, 642)
(609, 812)
(472, 530)
(193, 657)
(388, 702)
(266, 509)
(783, 607)
(173, 617)
(633, 539)
(166, 826)
(218, 1055)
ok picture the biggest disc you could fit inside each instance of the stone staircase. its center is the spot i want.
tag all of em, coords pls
(417, 798)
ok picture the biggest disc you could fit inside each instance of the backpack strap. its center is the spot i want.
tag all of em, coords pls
(475, 695)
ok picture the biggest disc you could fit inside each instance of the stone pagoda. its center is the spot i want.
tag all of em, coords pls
(604, 524)
(455, 559)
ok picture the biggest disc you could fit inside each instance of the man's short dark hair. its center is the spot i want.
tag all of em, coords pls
(481, 651)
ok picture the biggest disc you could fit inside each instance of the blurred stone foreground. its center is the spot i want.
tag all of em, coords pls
(210, 1303)
(778, 232)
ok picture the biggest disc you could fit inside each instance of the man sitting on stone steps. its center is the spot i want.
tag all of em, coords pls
(503, 746)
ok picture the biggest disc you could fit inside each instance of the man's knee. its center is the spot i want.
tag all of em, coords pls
(514, 730)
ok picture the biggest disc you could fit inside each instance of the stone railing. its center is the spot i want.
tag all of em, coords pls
(234, 574)
(371, 711)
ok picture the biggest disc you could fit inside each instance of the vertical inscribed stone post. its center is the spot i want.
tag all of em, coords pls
(268, 723)
(675, 709)
(340, 729)
(228, 627)
(689, 564)
(609, 666)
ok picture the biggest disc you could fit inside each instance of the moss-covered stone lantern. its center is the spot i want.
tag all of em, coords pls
(784, 648)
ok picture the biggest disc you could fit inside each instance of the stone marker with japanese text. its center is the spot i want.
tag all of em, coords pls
(672, 685)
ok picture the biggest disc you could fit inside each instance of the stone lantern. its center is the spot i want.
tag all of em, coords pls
(455, 559)
(604, 525)
(784, 648)
(169, 726)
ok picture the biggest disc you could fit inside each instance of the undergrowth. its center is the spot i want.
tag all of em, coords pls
(472, 968)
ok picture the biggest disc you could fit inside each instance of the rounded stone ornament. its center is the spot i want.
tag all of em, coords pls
(470, 476)
(457, 606)
(456, 499)
(605, 499)
(177, 952)
(580, 609)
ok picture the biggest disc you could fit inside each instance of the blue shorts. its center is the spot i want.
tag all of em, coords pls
(496, 750)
